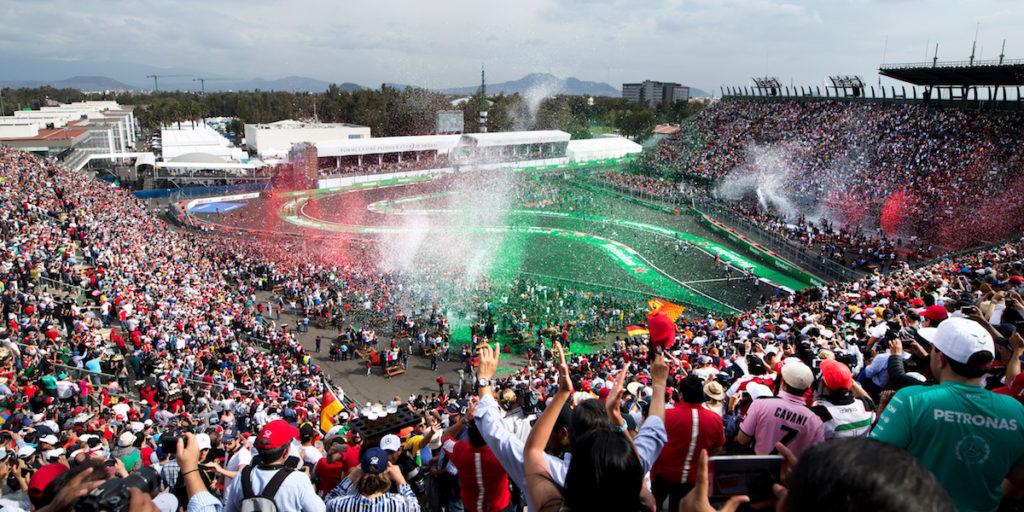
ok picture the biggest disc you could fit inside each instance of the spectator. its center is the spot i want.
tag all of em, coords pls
(970, 438)
(844, 408)
(366, 487)
(691, 428)
(269, 478)
(784, 418)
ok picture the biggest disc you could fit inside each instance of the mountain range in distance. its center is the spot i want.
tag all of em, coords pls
(543, 83)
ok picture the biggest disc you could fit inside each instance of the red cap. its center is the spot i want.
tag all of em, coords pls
(935, 313)
(917, 302)
(41, 478)
(1016, 279)
(276, 434)
(836, 375)
(662, 330)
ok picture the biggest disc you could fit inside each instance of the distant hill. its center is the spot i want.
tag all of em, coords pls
(534, 83)
(84, 83)
(545, 82)
(288, 83)
(698, 93)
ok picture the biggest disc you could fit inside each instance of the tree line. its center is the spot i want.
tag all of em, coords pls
(388, 111)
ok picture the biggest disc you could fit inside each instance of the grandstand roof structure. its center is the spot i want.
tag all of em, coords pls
(514, 138)
(958, 73)
(372, 146)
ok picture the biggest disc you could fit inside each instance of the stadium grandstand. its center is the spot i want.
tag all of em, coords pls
(799, 299)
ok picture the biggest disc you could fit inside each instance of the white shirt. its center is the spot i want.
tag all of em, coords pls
(239, 460)
(311, 455)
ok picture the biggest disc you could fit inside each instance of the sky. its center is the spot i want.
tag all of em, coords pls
(443, 43)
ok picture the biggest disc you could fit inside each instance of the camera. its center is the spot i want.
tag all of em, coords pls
(115, 496)
(169, 441)
(850, 360)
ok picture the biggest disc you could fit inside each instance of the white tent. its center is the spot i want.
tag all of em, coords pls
(601, 148)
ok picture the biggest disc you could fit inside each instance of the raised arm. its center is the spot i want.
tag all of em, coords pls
(659, 376)
(539, 483)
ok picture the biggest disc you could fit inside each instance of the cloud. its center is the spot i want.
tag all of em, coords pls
(705, 43)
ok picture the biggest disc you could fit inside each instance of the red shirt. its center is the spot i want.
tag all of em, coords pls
(350, 457)
(691, 428)
(330, 474)
(483, 483)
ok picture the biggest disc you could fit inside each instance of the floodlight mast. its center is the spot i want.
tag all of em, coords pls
(768, 86)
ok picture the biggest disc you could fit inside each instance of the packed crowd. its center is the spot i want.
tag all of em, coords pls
(679, 191)
(849, 245)
(371, 166)
(906, 170)
(158, 378)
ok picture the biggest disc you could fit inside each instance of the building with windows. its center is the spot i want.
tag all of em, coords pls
(274, 140)
(654, 93)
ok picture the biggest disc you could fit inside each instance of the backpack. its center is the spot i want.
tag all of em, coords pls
(264, 502)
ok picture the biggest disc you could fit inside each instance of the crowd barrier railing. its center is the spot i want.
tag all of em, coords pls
(821, 266)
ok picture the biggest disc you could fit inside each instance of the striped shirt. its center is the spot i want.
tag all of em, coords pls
(345, 498)
(483, 483)
(691, 428)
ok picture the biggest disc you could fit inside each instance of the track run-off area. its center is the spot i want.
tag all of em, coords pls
(528, 222)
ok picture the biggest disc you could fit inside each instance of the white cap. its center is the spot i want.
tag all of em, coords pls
(756, 390)
(203, 441)
(53, 454)
(49, 439)
(26, 451)
(797, 375)
(390, 443)
(960, 338)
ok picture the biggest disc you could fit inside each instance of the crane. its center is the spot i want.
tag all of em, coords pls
(202, 82)
(156, 86)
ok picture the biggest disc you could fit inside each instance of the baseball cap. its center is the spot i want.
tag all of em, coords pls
(662, 330)
(203, 441)
(961, 340)
(836, 375)
(26, 451)
(52, 455)
(375, 461)
(390, 443)
(797, 375)
(41, 478)
(634, 388)
(49, 439)
(276, 434)
(934, 313)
